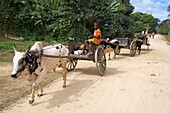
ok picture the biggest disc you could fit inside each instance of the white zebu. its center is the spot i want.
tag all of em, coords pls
(35, 66)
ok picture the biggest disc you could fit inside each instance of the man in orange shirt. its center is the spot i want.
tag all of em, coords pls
(95, 38)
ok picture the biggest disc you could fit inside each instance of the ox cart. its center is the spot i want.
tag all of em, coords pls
(98, 57)
(128, 44)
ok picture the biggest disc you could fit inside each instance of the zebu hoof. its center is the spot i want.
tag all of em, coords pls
(39, 95)
(64, 86)
(31, 101)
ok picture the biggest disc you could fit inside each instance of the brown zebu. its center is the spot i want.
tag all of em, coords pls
(109, 46)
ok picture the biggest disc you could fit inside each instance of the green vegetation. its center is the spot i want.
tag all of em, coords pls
(167, 37)
(6, 48)
(139, 21)
(168, 9)
(164, 27)
(60, 19)
(50, 20)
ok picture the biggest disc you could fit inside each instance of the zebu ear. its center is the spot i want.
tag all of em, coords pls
(26, 52)
(14, 47)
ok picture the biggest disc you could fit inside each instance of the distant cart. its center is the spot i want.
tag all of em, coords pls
(142, 41)
(127, 44)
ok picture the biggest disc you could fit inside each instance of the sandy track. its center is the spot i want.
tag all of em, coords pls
(139, 84)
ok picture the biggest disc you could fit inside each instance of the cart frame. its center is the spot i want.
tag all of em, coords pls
(128, 44)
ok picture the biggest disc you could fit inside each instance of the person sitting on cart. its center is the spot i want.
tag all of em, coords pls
(144, 35)
(145, 32)
(95, 38)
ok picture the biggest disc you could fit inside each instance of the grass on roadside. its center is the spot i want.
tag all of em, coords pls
(6, 48)
(167, 38)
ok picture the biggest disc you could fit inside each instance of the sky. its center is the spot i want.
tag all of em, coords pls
(158, 8)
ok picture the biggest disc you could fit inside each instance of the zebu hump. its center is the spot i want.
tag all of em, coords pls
(38, 46)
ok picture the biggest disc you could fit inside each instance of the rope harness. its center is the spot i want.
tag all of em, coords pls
(31, 60)
(33, 56)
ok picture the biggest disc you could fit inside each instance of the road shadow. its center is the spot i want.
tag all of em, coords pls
(118, 57)
(69, 94)
(76, 88)
(125, 54)
(113, 72)
(145, 49)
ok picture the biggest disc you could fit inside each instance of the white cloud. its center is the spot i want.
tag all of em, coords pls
(147, 2)
(157, 8)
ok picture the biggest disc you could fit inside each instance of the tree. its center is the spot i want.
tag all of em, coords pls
(164, 27)
(168, 10)
(124, 11)
(8, 9)
(84, 13)
(143, 20)
(64, 18)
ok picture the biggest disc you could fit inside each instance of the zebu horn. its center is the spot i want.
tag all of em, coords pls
(14, 47)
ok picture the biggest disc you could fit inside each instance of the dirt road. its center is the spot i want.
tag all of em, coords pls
(139, 84)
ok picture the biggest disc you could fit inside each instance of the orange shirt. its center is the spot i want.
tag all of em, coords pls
(97, 33)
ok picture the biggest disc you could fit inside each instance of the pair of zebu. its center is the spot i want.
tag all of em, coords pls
(38, 60)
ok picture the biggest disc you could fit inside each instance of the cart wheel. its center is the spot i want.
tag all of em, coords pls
(100, 60)
(71, 64)
(133, 48)
(118, 51)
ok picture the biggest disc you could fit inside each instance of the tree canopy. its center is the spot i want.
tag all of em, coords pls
(164, 27)
(60, 19)
(168, 10)
(139, 21)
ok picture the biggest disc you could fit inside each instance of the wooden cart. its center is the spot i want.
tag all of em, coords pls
(98, 57)
(128, 44)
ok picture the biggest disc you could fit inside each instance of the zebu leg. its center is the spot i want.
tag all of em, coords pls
(38, 80)
(114, 53)
(64, 72)
(109, 53)
(64, 77)
(107, 50)
(32, 96)
(40, 93)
